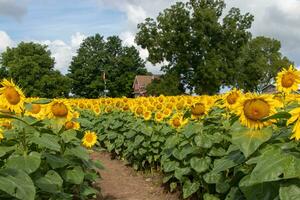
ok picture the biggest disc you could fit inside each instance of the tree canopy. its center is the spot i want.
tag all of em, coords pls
(30, 65)
(206, 50)
(97, 56)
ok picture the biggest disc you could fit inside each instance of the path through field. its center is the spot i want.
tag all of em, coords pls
(120, 182)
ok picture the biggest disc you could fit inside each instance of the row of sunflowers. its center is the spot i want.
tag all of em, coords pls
(231, 146)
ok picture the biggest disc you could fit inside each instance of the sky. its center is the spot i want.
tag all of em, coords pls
(64, 24)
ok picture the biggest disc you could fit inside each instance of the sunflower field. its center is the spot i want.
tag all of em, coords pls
(231, 146)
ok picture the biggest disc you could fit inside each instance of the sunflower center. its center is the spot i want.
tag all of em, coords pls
(35, 108)
(12, 96)
(288, 80)
(139, 110)
(69, 125)
(256, 109)
(231, 98)
(59, 110)
(198, 109)
(176, 122)
(89, 138)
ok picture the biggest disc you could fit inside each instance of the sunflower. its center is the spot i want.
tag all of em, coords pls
(36, 110)
(252, 108)
(147, 115)
(1, 134)
(139, 110)
(167, 112)
(5, 124)
(72, 125)
(159, 116)
(295, 117)
(89, 139)
(287, 80)
(96, 109)
(11, 96)
(231, 99)
(177, 120)
(59, 109)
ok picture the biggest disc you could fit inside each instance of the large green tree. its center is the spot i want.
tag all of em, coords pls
(259, 63)
(199, 45)
(30, 65)
(96, 56)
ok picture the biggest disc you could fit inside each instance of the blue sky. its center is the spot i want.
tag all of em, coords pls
(63, 24)
(57, 19)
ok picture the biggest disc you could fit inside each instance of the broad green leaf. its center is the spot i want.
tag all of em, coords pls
(233, 159)
(249, 140)
(4, 150)
(173, 186)
(203, 141)
(278, 115)
(200, 164)
(208, 196)
(265, 191)
(69, 135)
(191, 129)
(42, 101)
(75, 175)
(172, 141)
(79, 152)
(87, 191)
(170, 166)
(190, 188)
(234, 194)
(181, 172)
(290, 190)
(51, 182)
(138, 140)
(212, 177)
(55, 161)
(182, 153)
(29, 163)
(275, 165)
(17, 184)
(47, 141)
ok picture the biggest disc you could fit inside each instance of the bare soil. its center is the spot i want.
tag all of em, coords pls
(121, 182)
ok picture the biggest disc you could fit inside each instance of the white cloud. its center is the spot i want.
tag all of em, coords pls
(63, 52)
(5, 41)
(13, 8)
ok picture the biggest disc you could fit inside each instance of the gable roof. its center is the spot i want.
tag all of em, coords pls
(144, 80)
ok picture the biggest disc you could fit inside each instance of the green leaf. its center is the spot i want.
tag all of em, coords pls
(172, 141)
(47, 141)
(55, 161)
(170, 166)
(233, 159)
(173, 186)
(17, 184)
(181, 172)
(42, 101)
(75, 175)
(29, 163)
(182, 153)
(200, 164)
(275, 165)
(190, 188)
(212, 177)
(208, 196)
(203, 141)
(290, 191)
(88, 191)
(278, 115)
(69, 135)
(51, 182)
(234, 194)
(4, 150)
(249, 140)
(79, 152)
(138, 140)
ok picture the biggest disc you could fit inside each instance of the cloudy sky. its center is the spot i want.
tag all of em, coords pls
(63, 24)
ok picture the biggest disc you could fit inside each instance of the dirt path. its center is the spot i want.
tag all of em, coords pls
(120, 182)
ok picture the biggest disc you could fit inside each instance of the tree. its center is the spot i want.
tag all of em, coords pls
(168, 85)
(3, 72)
(259, 62)
(97, 56)
(30, 65)
(198, 46)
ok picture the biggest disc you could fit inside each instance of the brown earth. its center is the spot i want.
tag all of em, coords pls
(120, 182)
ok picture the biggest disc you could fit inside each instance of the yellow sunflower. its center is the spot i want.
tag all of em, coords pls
(36, 110)
(11, 96)
(177, 120)
(139, 110)
(252, 108)
(295, 117)
(72, 125)
(287, 80)
(159, 116)
(59, 109)
(147, 115)
(89, 139)
(1, 134)
(231, 98)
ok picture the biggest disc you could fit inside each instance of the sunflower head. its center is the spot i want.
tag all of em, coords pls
(287, 80)
(89, 139)
(159, 116)
(231, 98)
(72, 125)
(253, 108)
(59, 109)
(11, 96)
(177, 121)
(147, 115)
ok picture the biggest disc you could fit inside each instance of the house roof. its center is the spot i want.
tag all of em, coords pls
(144, 80)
